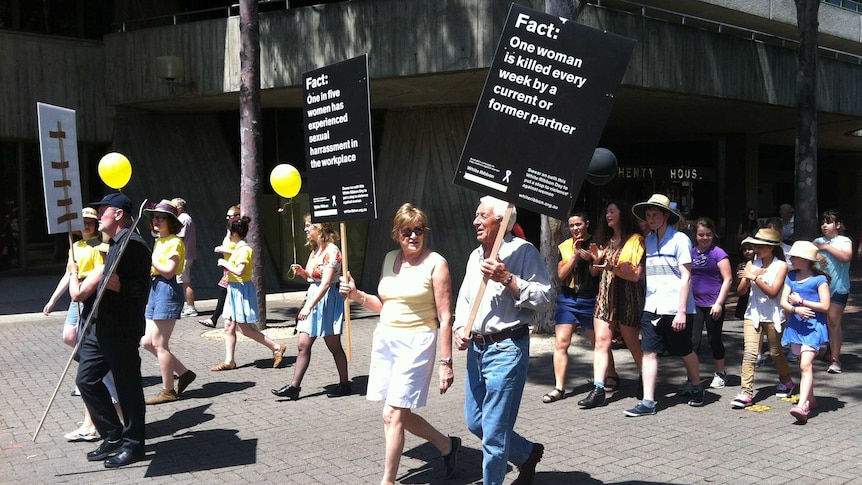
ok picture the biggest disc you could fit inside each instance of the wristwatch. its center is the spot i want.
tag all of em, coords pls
(508, 279)
(447, 361)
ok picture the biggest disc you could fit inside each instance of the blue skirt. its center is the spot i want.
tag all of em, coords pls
(327, 317)
(166, 299)
(240, 304)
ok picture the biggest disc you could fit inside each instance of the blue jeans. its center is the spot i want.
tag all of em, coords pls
(496, 374)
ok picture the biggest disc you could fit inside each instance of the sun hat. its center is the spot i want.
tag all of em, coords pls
(89, 213)
(805, 250)
(164, 207)
(765, 237)
(660, 201)
(118, 200)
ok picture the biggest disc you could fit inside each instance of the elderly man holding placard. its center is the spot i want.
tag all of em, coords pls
(498, 347)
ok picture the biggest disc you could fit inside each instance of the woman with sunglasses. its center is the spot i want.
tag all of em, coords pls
(414, 299)
(226, 249)
(322, 314)
(166, 299)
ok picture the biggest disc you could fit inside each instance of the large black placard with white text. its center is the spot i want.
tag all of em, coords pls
(548, 95)
(337, 121)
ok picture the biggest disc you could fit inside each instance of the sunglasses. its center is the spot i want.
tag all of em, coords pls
(231, 216)
(160, 218)
(407, 231)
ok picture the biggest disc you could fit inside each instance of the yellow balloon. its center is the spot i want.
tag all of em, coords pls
(115, 170)
(285, 180)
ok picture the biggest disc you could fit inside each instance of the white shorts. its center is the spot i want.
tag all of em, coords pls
(186, 276)
(402, 363)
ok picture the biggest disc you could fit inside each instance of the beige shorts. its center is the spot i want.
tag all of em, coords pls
(186, 276)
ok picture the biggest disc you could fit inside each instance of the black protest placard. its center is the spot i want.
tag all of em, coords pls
(337, 121)
(548, 95)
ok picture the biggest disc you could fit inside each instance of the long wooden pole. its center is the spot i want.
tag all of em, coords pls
(86, 325)
(494, 250)
(349, 348)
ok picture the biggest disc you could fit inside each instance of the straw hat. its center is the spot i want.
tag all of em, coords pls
(165, 207)
(765, 237)
(89, 213)
(660, 201)
(805, 250)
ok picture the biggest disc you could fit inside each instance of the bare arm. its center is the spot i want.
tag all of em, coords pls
(726, 280)
(442, 284)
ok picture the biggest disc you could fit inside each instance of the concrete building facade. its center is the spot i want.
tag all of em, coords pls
(706, 112)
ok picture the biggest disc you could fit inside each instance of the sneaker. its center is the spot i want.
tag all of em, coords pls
(595, 398)
(719, 380)
(640, 410)
(450, 461)
(785, 390)
(834, 367)
(800, 414)
(686, 389)
(741, 401)
(696, 397)
(189, 311)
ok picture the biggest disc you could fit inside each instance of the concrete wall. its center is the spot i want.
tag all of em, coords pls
(64, 72)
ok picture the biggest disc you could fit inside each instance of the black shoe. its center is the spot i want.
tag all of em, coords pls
(450, 461)
(696, 397)
(595, 398)
(341, 390)
(528, 469)
(287, 391)
(125, 457)
(184, 381)
(106, 449)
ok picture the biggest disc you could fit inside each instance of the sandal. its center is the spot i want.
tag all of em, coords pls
(224, 366)
(79, 435)
(612, 383)
(206, 322)
(556, 395)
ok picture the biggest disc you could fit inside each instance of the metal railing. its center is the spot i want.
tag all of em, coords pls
(852, 5)
(211, 13)
(666, 15)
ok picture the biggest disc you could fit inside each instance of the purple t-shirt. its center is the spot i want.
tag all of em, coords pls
(705, 275)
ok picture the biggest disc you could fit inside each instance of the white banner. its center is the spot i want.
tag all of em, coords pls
(58, 141)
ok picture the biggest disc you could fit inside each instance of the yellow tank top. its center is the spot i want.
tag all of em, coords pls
(408, 297)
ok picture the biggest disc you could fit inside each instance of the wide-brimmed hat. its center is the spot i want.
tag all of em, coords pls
(165, 207)
(805, 250)
(765, 237)
(656, 200)
(89, 213)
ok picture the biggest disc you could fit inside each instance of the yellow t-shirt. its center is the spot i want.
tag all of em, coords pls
(408, 297)
(242, 253)
(87, 256)
(167, 247)
(567, 252)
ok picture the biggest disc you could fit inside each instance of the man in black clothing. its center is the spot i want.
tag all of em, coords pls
(111, 342)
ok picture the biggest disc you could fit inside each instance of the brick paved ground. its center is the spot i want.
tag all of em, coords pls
(229, 428)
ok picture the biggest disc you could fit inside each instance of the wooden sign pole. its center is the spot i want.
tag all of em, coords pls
(494, 250)
(348, 350)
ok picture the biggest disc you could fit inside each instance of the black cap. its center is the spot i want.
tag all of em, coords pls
(117, 200)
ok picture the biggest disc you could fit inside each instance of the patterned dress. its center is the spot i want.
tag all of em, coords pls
(620, 300)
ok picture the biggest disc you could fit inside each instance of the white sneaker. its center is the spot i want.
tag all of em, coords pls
(834, 367)
(189, 311)
(719, 380)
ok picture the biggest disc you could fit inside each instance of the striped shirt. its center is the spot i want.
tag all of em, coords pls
(663, 278)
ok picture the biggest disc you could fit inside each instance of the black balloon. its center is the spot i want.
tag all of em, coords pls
(603, 167)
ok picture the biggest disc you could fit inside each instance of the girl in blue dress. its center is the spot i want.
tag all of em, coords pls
(805, 299)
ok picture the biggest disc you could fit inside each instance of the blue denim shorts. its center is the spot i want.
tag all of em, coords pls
(571, 310)
(839, 298)
(166, 300)
(661, 336)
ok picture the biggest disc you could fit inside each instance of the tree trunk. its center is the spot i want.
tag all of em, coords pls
(250, 141)
(805, 199)
(552, 236)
